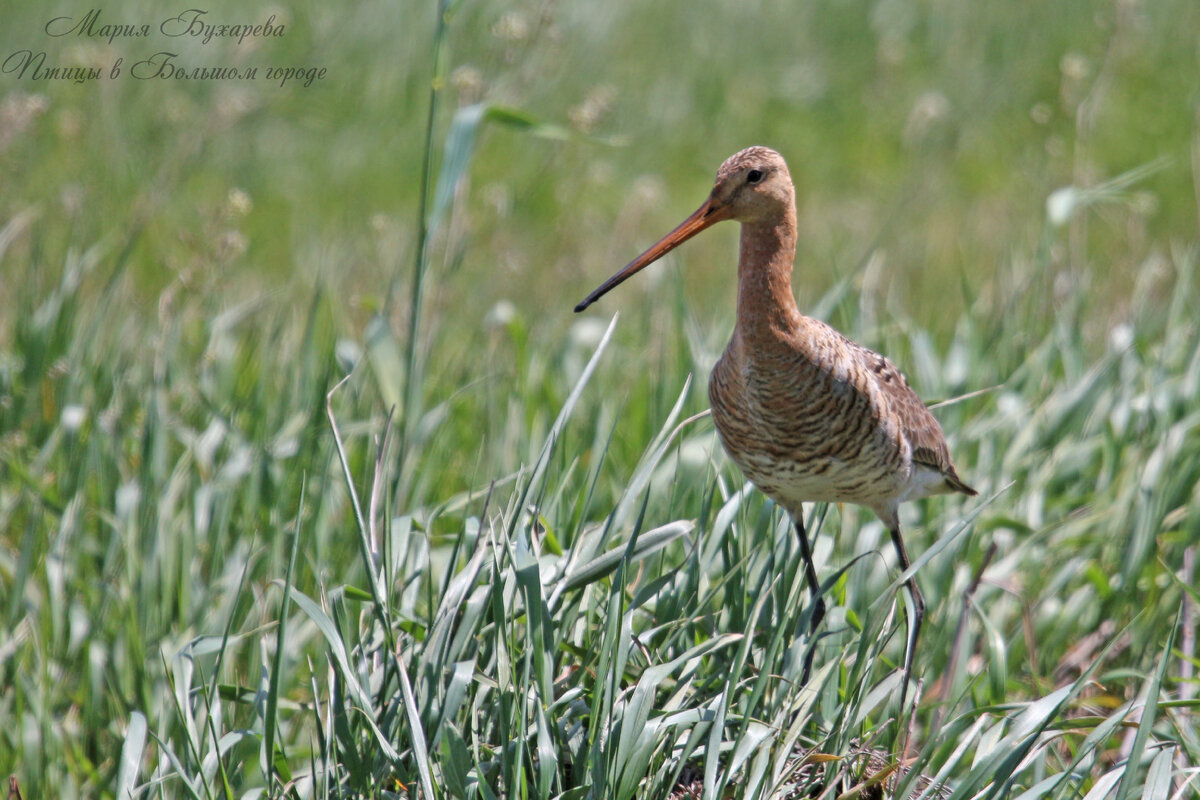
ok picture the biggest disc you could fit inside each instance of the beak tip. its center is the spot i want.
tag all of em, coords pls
(581, 306)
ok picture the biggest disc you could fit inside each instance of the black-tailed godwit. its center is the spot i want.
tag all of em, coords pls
(807, 414)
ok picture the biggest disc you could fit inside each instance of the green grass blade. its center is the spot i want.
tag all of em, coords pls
(131, 755)
(647, 544)
(337, 648)
(1158, 777)
(271, 716)
(1129, 780)
(416, 733)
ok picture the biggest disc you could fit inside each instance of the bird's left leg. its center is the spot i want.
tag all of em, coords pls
(814, 586)
(914, 627)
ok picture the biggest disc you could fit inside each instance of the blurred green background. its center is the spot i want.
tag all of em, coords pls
(932, 130)
(187, 266)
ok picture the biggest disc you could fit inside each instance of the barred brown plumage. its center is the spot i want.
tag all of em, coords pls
(807, 414)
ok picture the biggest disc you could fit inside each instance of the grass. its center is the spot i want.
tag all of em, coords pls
(269, 525)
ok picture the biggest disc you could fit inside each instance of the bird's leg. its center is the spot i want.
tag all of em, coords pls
(914, 626)
(814, 586)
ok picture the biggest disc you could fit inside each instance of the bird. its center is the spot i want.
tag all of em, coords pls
(807, 414)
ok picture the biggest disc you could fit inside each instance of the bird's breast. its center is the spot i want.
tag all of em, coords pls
(804, 429)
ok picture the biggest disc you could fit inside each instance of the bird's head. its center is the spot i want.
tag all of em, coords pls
(753, 185)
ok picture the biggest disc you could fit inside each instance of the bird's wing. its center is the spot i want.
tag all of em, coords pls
(921, 428)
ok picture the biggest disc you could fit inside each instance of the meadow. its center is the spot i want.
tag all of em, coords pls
(312, 485)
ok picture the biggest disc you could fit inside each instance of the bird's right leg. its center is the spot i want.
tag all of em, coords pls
(814, 586)
(914, 626)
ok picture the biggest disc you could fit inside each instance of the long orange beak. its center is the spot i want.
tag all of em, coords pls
(704, 216)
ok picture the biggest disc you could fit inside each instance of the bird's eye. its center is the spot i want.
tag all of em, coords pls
(754, 176)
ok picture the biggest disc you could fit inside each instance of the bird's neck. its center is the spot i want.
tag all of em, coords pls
(766, 306)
